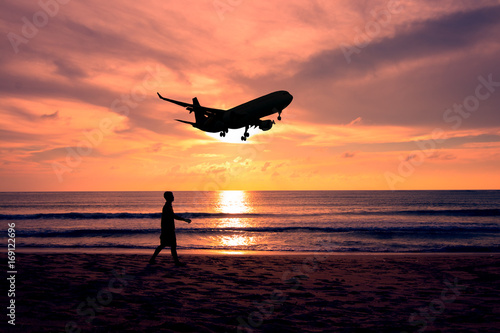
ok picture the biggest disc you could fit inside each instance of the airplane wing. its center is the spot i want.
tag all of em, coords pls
(186, 122)
(192, 107)
(175, 102)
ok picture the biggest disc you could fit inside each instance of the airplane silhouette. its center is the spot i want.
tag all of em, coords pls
(244, 115)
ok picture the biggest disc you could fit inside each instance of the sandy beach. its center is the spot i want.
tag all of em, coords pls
(71, 292)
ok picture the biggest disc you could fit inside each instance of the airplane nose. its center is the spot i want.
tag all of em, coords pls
(288, 99)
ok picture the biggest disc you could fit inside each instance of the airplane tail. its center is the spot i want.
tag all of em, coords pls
(199, 114)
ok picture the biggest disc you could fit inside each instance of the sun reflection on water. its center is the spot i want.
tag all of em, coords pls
(236, 240)
(234, 202)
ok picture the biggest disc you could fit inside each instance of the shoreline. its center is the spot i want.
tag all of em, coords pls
(202, 252)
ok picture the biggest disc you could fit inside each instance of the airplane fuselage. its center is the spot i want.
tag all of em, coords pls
(249, 113)
(258, 108)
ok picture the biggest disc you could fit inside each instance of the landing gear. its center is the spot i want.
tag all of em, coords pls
(245, 135)
(223, 133)
(279, 115)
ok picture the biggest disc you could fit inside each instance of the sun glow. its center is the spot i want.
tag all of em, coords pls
(233, 202)
(234, 136)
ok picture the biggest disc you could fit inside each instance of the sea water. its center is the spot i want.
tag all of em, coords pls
(294, 221)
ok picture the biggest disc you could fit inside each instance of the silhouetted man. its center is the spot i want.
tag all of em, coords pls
(167, 237)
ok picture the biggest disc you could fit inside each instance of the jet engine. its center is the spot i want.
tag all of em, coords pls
(266, 125)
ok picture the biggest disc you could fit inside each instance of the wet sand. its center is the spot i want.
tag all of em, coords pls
(71, 292)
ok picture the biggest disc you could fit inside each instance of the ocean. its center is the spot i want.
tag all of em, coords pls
(249, 221)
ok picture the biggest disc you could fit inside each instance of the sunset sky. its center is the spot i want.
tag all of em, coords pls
(387, 94)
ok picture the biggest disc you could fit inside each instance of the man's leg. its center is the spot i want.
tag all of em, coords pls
(173, 249)
(157, 251)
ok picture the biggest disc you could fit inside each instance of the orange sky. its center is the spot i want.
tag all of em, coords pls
(387, 94)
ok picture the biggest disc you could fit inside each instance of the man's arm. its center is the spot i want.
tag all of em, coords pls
(177, 217)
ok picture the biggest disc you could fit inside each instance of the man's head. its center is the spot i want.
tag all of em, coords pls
(169, 196)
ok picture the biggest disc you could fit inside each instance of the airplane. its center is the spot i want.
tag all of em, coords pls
(244, 115)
